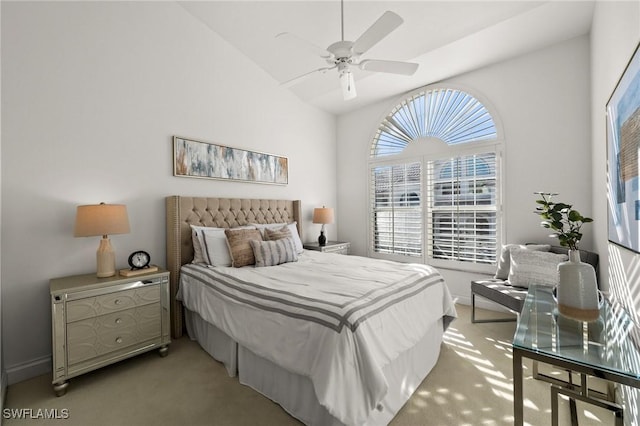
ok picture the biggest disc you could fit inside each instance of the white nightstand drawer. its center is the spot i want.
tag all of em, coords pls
(106, 303)
(338, 248)
(93, 337)
(91, 327)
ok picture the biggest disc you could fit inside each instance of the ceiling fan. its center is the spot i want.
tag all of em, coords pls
(344, 54)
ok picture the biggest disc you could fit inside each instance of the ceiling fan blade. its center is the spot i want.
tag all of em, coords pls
(302, 77)
(302, 44)
(388, 22)
(393, 67)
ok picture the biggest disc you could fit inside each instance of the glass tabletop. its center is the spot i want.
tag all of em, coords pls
(609, 344)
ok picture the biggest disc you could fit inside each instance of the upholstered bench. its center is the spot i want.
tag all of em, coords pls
(511, 297)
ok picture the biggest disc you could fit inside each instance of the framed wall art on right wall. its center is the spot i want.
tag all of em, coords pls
(623, 145)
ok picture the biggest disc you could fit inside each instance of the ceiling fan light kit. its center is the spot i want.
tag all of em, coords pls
(348, 85)
(344, 54)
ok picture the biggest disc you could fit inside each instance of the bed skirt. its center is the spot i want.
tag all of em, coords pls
(215, 342)
(295, 392)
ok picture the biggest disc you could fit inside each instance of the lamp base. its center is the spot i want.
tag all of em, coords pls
(106, 259)
(322, 240)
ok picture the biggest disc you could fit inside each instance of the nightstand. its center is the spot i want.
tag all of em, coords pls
(98, 321)
(331, 247)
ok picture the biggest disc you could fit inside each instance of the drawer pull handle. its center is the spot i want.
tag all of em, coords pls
(118, 320)
(118, 339)
(117, 301)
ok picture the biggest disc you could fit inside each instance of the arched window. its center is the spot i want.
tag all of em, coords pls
(434, 186)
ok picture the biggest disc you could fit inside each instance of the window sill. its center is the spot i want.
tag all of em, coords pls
(463, 266)
(488, 269)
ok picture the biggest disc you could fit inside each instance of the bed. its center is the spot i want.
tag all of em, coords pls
(331, 347)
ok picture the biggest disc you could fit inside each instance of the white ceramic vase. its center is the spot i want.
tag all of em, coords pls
(577, 292)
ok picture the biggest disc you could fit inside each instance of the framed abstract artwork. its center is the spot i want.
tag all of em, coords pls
(211, 161)
(623, 145)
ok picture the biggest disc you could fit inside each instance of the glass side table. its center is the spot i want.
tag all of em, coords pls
(606, 348)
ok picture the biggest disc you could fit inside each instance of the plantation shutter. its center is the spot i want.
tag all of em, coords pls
(461, 217)
(450, 115)
(396, 211)
(434, 182)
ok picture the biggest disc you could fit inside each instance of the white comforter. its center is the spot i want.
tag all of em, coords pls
(336, 319)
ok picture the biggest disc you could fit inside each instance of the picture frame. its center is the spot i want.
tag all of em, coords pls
(623, 144)
(197, 159)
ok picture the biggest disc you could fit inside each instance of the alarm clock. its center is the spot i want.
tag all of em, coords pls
(139, 260)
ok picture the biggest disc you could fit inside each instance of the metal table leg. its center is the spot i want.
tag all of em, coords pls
(617, 410)
(517, 388)
(554, 405)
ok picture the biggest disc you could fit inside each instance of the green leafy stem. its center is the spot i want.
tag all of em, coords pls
(562, 219)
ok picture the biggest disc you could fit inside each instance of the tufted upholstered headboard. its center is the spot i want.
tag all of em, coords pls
(182, 212)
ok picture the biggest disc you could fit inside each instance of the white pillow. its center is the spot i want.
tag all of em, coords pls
(213, 245)
(297, 242)
(504, 263)
(534, 267)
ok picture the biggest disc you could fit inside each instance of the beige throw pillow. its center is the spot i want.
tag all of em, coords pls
(240, 246)
(277, 234)
(210, 245)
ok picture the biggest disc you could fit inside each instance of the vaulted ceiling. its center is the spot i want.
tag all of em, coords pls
(446, 38)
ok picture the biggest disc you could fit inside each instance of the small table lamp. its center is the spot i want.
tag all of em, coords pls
(102, 219)
(322, 215)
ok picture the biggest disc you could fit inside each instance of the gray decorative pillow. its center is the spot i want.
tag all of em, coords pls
(239, 241)
(534, 267)
(504, 263)
(293, 228)
(271, 253)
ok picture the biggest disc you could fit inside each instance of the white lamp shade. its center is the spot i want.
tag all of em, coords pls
(323, 215)
(101, 219)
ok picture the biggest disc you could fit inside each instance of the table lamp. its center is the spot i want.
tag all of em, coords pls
(322, 215)
(102, 219)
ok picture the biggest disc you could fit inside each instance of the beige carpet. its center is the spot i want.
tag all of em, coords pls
(470, 385)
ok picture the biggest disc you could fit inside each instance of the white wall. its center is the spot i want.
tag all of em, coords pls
(92, 93)
(543, 101)
(614, 36)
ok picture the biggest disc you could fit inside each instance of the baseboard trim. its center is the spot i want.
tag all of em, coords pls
(27, 370)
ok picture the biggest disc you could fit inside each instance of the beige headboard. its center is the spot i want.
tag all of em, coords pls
(217, 212)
